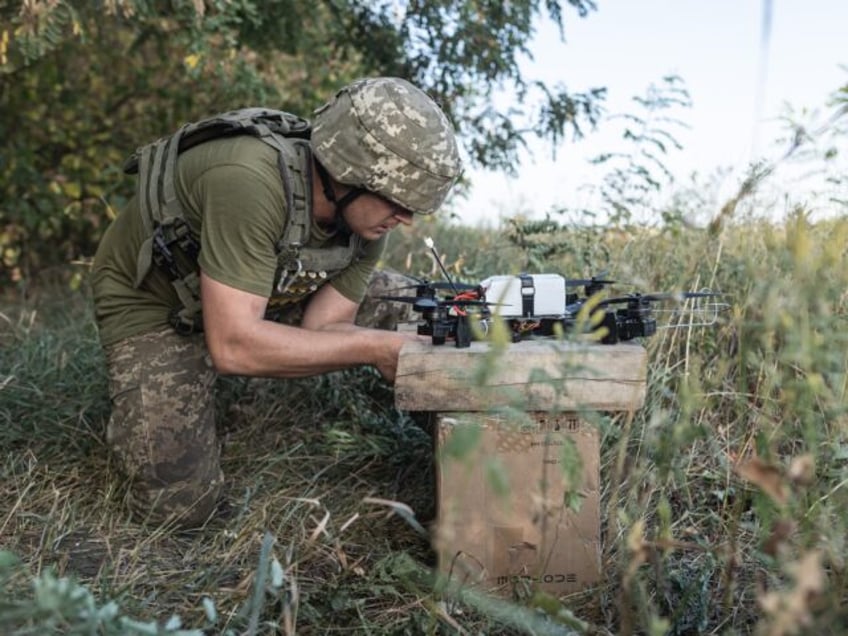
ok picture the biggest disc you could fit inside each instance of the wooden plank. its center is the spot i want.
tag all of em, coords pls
(532, 375)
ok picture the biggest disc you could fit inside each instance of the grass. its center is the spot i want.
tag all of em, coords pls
(724, 498)
(299, 466)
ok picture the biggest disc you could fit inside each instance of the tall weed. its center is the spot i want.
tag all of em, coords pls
(724, 496)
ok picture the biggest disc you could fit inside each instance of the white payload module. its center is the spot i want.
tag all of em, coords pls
(526, 295)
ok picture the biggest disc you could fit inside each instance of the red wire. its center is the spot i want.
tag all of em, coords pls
(466, 295)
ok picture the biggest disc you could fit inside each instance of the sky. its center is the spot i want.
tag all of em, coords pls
(739, 87)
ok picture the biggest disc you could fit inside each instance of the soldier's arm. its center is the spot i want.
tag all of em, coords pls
(329, 309)
(242, 342)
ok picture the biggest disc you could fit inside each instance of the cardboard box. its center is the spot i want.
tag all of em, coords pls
(502, 517)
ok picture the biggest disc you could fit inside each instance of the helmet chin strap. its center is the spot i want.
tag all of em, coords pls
(340, 204)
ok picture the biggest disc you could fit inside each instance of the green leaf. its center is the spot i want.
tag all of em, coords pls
(463, 439)
(496, 476)
(8, 560)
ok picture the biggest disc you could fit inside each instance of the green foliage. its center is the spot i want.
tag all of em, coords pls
(758, 397)
(464, 52)
(52, 380)
(735, 462)
(634, 177)
(462, 441)
(466, 252)
(721, 497)
(548, 245)
(815, 140)
(69, 114)
(61, 605)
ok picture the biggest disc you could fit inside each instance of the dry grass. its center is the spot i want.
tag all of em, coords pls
(724, 497)
(302, 460)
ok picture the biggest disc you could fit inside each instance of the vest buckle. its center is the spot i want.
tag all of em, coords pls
(288, 274)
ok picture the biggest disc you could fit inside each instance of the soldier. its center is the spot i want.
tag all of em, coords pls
(230, 236)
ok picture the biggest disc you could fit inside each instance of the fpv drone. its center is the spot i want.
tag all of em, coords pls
(539, 305)
(449, 317)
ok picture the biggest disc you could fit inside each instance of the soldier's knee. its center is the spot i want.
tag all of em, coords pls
(177, 483)
(162, 428)
(377, 313)
(188, 503)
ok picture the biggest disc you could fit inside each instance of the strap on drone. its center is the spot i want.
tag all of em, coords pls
(528, 293)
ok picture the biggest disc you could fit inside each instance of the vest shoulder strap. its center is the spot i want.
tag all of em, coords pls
(292, 253)
(259, 122)
(156, 163)
(162, 213)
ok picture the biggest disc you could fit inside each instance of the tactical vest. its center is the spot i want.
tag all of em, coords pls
(172, 246)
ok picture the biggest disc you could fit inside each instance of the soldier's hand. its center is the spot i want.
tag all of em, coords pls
(393, 342)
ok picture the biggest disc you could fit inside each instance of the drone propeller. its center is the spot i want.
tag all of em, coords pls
(438, 285)
(424, 303)
(582, 282)
(656, 297)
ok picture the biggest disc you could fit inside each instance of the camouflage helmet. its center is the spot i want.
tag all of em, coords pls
(388, 137)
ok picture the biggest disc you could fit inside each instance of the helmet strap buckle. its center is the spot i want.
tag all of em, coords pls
(330, 195)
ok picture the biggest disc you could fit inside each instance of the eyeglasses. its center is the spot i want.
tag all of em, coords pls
(397, 210)
(402, 214)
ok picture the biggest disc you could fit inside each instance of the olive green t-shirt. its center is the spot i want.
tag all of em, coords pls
(232, 195)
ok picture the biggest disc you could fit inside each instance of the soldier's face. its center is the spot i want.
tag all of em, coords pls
(371, 216)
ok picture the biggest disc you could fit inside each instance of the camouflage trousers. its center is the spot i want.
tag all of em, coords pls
(162, 427)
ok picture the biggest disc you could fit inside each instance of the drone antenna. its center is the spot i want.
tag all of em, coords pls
(702, 312)
(429, 243)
